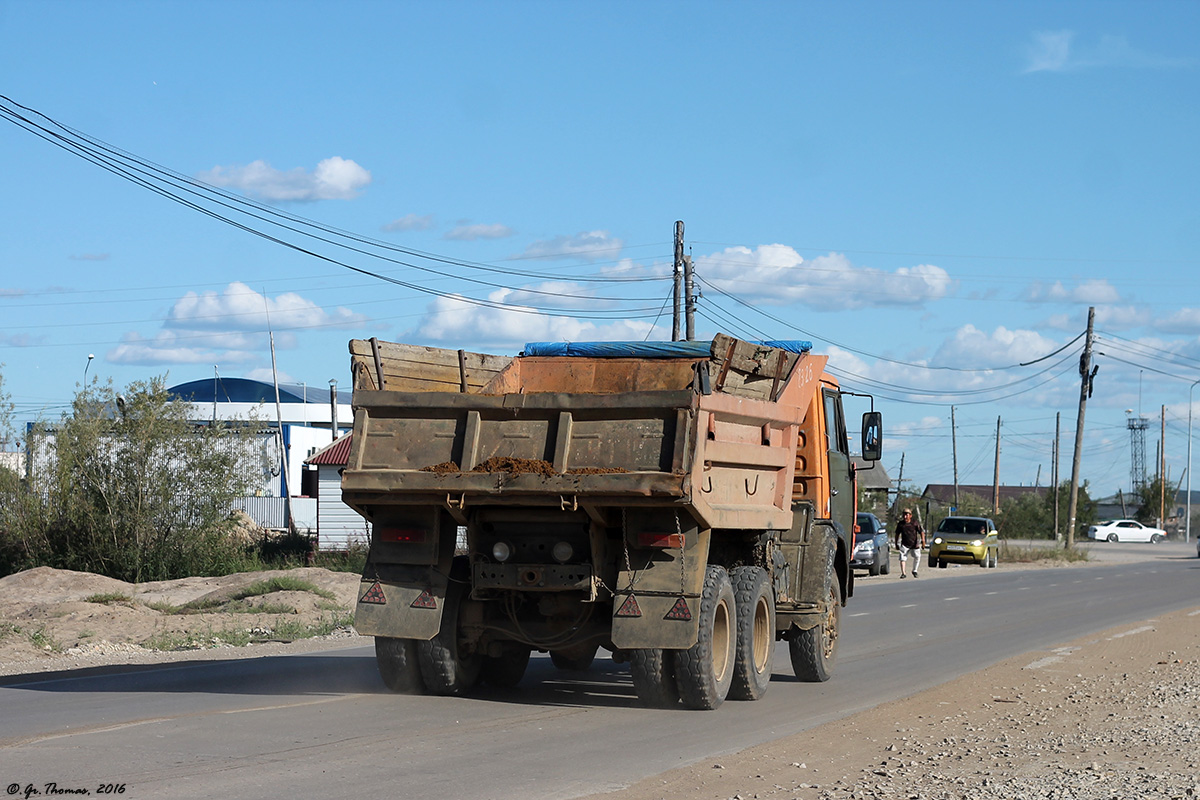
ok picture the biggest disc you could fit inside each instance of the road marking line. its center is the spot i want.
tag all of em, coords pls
(1142, 629)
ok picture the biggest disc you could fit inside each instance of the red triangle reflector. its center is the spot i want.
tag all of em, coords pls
(629, 608)
(680, 611)
(374, 595)
(424, 600)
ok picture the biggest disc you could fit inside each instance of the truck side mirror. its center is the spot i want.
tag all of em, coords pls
(872, 436)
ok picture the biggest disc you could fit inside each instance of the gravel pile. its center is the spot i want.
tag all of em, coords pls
(1066, 737)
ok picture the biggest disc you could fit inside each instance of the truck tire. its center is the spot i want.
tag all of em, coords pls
(814, 651)
(397, 662)
(704, 672)
(653, 671)
(574, 661)
(506, 670)
(444, 669)
(755, 603)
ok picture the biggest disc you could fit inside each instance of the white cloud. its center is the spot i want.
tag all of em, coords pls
(1121, 317)
(267, 375)
(1093, 292)
(239, 307)
(170, 347)
(1058, 51)
(334, 178)
(466, 232)
(228, 327)
(451, 319)
(590, 246)
(1184, 321)
(410, 222)
(775, 273)
(1049, 51)
(972, 348)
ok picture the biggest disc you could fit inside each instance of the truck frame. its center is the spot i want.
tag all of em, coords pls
(683, 505)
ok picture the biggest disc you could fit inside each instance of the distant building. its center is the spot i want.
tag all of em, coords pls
(338, 525)
(873, 482)
(306, 419)
(943, 493)
(305, 412)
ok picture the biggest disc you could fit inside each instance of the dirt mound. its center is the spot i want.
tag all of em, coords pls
(55, 618)
(516, 466)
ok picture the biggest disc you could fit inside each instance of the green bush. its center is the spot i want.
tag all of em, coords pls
(125, 486)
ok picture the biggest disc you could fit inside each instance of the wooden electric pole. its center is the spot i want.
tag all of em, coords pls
(996, 473)
(1162, 469)
(1087, 375)
(954, 452)
(689, 300)
(1054, 488)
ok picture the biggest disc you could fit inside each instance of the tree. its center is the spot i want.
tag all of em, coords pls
(6, 415)
(1085, 514)
(1150, 501)
(1027, 516)
(125, 486)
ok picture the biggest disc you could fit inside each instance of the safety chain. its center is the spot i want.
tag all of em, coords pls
(682, 554)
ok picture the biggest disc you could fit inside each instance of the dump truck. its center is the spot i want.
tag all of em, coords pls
(683, 505)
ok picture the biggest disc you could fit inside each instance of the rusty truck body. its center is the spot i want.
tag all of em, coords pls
(683, 505)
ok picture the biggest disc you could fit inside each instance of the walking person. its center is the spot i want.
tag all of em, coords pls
(910, 541)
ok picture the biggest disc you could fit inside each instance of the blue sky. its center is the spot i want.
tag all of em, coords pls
(934, 193)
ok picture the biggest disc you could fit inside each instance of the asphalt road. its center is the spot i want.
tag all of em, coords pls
(321, 725)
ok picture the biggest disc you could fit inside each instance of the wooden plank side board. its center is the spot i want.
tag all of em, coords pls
(415, 368)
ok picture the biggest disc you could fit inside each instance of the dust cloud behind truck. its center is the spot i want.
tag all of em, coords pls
(683, 505)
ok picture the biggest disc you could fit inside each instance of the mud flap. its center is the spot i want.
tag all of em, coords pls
(657, 603)
(403, 610)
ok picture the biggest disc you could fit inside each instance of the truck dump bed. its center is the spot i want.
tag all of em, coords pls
(710, 428)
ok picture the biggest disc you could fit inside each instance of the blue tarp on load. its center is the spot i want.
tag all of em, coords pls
(643, 349)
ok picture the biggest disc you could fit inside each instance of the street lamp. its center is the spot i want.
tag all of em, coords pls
(85, 369)
(1187, 523)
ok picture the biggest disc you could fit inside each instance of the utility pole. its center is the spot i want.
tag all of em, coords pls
(1087, 375)
(1057, 422)
(899, 483)
(689, 300)
(996, 473)
(954, 451)
(1162, 469)
(675, 337)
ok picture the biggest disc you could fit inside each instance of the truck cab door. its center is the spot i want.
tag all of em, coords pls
(841, 484)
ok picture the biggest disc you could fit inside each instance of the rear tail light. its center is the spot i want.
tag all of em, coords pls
(402, 535)
(660, 540)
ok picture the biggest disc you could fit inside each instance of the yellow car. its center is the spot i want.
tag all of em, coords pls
(964, 540)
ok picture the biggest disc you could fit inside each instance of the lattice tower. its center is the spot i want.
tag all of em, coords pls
(1137, 451)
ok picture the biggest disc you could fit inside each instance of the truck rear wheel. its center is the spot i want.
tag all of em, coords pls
(704, 672)
(397, 662)
(755, 602)
(444, 668)
(653, 671)
(814, 651)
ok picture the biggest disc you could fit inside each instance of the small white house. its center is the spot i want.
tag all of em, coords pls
(338, 525)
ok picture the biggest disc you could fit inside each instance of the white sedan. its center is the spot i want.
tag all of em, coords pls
(1125, 530)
